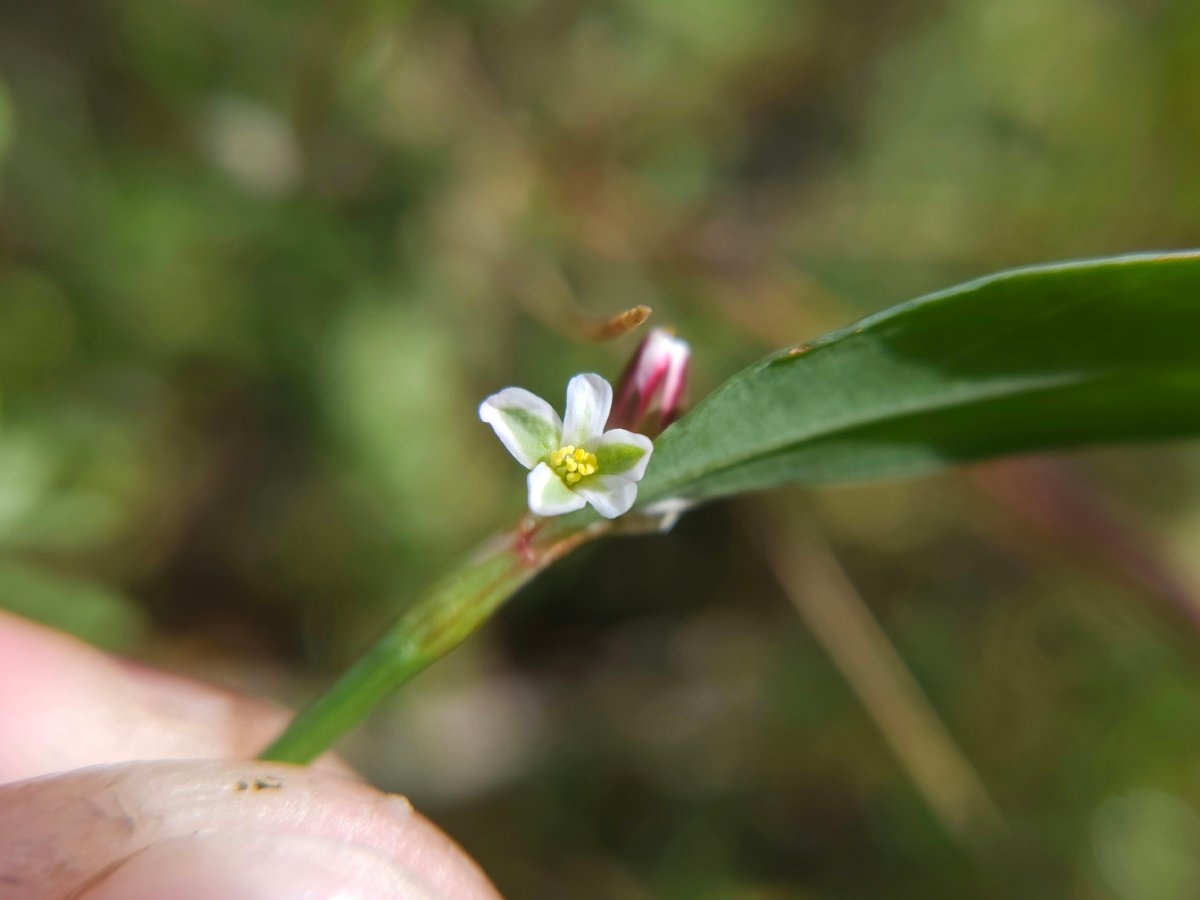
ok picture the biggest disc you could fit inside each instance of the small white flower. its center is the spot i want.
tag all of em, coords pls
(575, 462)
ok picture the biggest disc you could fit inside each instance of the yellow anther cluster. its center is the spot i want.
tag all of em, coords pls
(572, 463)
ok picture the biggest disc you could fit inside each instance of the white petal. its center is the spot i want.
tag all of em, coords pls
(610, 495)
(548, 496)
(624, 453)
(589, 401)
(525, 423)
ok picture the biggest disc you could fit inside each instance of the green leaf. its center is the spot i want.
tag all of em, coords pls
(1033, 359)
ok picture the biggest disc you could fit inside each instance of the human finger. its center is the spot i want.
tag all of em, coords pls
(65, 705)
(219, 829)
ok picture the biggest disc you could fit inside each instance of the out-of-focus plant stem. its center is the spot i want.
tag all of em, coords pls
(450, 612)
(821, 591)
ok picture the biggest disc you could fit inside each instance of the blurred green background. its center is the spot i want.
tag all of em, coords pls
(260, 260)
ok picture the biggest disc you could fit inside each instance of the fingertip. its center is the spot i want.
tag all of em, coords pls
(139, 825)
(257, 866)
(66, 705)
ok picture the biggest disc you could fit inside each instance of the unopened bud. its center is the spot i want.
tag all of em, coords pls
(654, 382)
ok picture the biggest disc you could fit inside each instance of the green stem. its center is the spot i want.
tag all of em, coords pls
(450, 612)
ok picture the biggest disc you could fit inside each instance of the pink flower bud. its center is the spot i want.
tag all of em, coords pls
(654, 380)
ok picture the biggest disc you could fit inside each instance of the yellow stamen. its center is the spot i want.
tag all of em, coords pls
(572, 464)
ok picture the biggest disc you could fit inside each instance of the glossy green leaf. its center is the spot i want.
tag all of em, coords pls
(1033, 359)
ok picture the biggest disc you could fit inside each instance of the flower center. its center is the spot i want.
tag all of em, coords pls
(571, 463)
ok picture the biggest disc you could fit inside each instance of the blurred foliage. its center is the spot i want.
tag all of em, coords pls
(99, 616)
(259, 261)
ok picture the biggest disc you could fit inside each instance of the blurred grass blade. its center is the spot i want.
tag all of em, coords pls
(1033, 359)
(824, 596)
